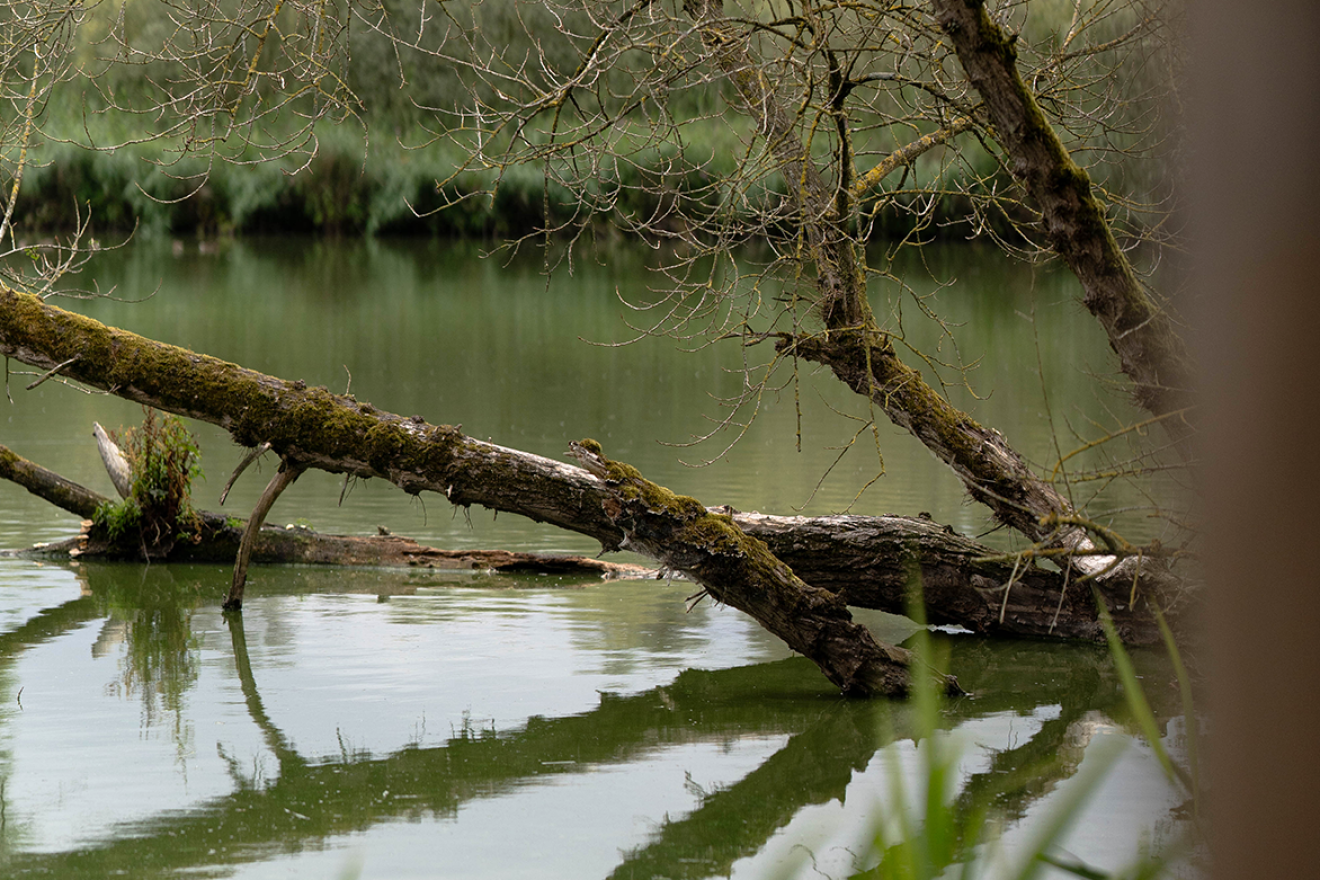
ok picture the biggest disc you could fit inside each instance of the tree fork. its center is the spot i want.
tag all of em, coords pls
(860, 355)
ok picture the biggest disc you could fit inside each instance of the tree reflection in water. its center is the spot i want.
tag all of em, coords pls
(310, 801)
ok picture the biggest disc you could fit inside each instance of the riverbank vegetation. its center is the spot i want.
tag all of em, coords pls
(387, 159)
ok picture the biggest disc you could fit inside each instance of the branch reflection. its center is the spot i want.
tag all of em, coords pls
(313, 801)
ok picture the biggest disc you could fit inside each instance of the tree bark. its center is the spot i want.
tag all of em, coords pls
(343, 435)
(285, 477)
(48, 485)
(1140, 331)
(870, 561)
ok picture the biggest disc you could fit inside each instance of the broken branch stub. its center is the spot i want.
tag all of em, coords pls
(739, 570)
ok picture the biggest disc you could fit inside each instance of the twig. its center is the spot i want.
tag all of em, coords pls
(1113, 436)
(44, 376)
(252, 456)
(1136, 579)
(1007, 588)
(1067, 574)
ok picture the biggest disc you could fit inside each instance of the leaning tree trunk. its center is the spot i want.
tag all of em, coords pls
(860, 354)
(1140, 331)
(340, 434)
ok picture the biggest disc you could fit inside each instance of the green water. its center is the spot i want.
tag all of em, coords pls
(418, 724)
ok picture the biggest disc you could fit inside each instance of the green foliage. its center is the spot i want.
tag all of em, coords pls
(118, 518)
(1189, 776)
(163, 459)
(930, 834)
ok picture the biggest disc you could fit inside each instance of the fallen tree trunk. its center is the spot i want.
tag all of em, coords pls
(868, 560)
(340, 434)
(218, 538)
(740, 571)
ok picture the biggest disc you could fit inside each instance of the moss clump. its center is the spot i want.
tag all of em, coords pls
(163, 459)
(119, 519)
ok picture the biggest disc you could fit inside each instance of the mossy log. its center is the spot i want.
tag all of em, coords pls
(340, 434)
(740, 571)
(218, 537)
(309, 426)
